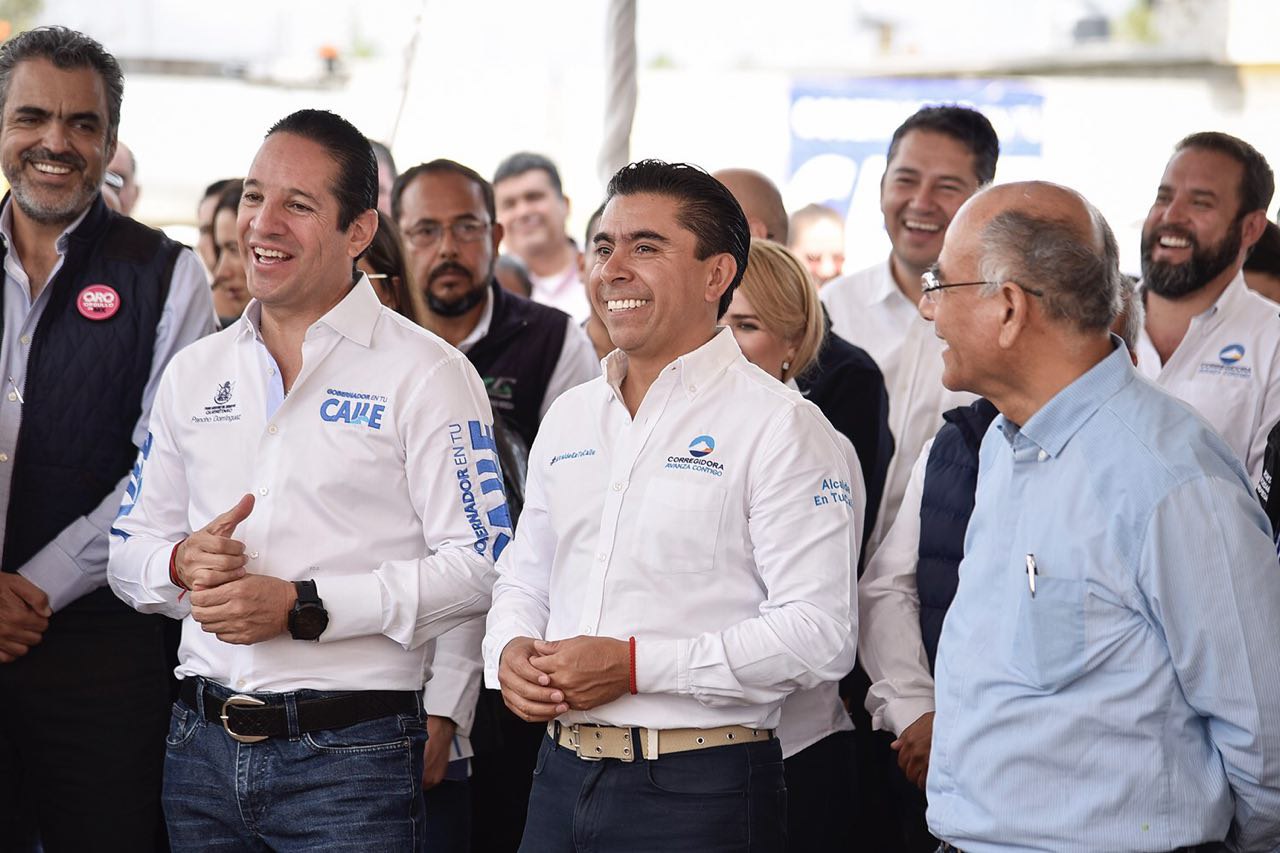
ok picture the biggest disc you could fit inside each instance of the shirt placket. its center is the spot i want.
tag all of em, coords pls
(634, 438)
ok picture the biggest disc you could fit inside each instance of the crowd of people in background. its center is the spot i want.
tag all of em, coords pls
(393, 516)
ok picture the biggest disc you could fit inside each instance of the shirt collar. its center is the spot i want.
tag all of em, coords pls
(482, 325)
(1063, 416)
(697, 369)
(353, 318)
(885, 285)
(6, 227)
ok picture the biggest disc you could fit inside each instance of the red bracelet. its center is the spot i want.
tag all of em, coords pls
(634, 691)
(173, 570)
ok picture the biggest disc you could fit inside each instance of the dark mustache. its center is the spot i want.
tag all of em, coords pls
(446, 268)
(70, 158)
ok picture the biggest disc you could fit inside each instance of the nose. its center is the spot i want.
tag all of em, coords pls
(55, 136)
(926, 307)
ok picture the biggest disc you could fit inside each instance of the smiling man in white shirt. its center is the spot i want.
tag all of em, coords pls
(373, 511)
(938, 158)
(684, 553)
(1208, 339)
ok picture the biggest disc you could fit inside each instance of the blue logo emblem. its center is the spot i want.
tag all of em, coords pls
(1231, 353)
(702, 446)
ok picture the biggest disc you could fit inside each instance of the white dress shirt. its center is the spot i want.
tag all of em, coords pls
(577, 362)
(890, 645)
(1228, 369)
(75, 562)
(717, 527)
(375, 477)
(868, 309)
(563, 290)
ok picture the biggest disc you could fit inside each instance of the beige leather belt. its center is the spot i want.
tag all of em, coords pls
(592, 743)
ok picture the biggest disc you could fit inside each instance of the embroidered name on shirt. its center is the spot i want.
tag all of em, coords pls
(700, 448)
(833, 491)
(223, 408)
(574, 454)
(353, 407)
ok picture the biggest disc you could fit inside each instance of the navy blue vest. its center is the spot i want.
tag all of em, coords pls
(84, 385)
(517, 357)
(950, 480)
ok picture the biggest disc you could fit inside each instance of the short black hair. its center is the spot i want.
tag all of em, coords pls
(593, 225)
(356, 185)
(963, 124)
(66, 49)
(1265, 254)
(229, 197)
(707, 209)
(527, 161)
(440, 166)
(217, 187)
(1257, 181)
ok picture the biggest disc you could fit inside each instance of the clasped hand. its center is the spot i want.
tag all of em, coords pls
(226, 599)
(542, 680)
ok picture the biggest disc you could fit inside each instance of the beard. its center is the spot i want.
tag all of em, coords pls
(1174, 281)
(41, 206)
(463, 303)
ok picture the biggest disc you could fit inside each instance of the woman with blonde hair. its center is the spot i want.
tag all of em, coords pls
(778, 322)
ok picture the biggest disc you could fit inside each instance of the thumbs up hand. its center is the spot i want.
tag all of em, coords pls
(210, 557)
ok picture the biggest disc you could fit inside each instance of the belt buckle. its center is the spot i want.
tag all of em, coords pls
(240, 701)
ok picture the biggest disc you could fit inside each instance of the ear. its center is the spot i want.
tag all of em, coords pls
(722, 268)
(758, 229)
(498, 233)
(1252, 226)
(1014, 305)
(360, 232)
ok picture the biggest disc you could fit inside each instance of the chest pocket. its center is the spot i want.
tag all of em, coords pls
(679, 527)
(1049, 636)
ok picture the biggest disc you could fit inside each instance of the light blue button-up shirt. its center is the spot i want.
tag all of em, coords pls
(1133, 702)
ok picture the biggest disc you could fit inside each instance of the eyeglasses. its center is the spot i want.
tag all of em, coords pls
(931, 286)
(428, 234)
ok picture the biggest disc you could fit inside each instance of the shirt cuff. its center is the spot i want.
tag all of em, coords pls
(354, 605)
(58, 575)
(898, 714)
(662, 666)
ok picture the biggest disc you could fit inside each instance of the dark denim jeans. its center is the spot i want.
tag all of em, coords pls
(357, 788)
(731, 799)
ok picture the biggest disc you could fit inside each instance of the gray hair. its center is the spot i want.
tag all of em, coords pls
(66, 49)
(1080, 285)
(1134, 312)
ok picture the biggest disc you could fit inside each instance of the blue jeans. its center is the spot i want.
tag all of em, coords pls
(357, 788)
(731, 799)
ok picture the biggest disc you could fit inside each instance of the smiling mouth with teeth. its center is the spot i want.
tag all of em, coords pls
(625, 304)
(1169, 241)
(916, 225)
(51, 168)
(270, 256)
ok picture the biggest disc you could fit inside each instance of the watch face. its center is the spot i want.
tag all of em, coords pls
(309, 621)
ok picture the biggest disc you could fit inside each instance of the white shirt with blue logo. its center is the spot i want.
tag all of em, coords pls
(1228, 369)
(376, 477)
(717, 526)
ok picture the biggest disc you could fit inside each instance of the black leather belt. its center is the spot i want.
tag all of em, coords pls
(249, 718)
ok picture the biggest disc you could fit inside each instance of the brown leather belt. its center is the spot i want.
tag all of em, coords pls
(592, 743)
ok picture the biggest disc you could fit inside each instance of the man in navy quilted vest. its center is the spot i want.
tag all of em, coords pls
(94, 305)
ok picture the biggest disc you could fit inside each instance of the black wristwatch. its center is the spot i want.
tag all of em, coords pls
(308, 618)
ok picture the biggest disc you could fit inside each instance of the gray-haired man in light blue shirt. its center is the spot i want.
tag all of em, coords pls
(1108, 676)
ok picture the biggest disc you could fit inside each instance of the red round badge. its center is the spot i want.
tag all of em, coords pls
(98, 302)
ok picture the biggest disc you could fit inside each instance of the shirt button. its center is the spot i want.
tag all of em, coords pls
(693, 389)
(617, 487)
(273, 429)
(263, 491)
(241, 683)
(601, 557)
(253, 555)
(271, 371)
(13, 396)
(1043, 455)
(586, 629)
(26, 339)
(4, 457)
